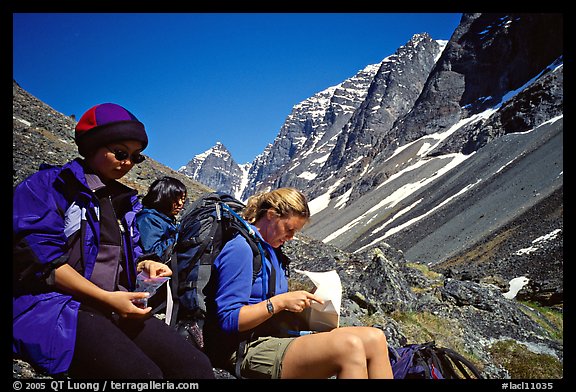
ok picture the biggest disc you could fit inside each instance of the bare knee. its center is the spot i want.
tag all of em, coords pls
(375, 342)
(377, 336)
(351, 348)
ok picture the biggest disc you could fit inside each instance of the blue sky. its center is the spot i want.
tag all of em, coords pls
(195, 79)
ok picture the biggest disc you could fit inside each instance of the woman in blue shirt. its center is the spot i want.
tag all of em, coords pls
(240, 305)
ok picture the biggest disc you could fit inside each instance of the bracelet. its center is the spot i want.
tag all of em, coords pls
(269, 306)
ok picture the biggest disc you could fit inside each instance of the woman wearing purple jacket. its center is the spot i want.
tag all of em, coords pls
(76, 257)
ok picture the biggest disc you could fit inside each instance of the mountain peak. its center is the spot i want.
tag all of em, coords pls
(218, 149)
(217, 169)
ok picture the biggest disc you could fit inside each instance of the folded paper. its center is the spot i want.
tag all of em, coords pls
(326, 316)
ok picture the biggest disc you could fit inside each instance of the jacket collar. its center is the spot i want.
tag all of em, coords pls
(73, 184)
(153, 211)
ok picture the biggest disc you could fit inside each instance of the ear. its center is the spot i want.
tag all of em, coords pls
(271, 214)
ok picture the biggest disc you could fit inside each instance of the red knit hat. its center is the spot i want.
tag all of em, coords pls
(107, 123)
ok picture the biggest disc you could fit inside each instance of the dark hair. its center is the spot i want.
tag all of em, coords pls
(163, 192)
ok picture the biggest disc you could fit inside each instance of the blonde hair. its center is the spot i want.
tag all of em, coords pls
(286, 202)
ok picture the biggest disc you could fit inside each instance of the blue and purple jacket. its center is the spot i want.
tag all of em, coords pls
(49, 207)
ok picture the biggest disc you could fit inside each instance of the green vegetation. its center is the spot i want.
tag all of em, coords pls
(549, 319)
(425, 270)
(483, 252)
(420, 327)
(516, 358)
(522, 363)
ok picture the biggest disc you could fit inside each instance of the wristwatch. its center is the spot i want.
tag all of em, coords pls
(269, 306)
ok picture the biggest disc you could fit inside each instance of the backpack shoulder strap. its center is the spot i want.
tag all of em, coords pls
(248, 233)
(259, 254)
(437, 365)
(421, 360)
(464, 365)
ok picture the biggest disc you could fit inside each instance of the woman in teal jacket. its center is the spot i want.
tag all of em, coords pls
(76, 257)
(157, 220)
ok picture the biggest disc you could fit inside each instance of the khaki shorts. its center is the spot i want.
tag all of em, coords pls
(264, 357)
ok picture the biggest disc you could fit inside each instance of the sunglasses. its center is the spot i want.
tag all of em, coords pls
(122, 155)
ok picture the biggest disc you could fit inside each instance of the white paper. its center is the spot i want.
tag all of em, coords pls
(325, 317)
(169, 305)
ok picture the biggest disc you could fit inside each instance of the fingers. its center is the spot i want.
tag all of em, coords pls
(315, 298)
(139, 307)
(137, 313)
(140, 311)
(139, 299)
(154, 268)
(129, 304)
(297, 301)
(139, 294)
(303, 299)
(159, 269)
(309, 297)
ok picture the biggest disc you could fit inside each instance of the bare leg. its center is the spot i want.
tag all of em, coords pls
(349, 352)
(376, 348)
(324, 355)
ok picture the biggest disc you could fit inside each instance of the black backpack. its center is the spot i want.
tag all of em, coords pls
(428, 361)
(211, 221)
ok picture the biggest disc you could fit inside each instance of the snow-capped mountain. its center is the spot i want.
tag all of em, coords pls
(441, 150)
(475, 165)
(309, 133)
(217, 169)
(312, 143)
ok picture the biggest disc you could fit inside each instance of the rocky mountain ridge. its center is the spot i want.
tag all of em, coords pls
(317, 127)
